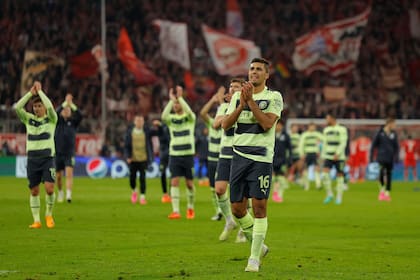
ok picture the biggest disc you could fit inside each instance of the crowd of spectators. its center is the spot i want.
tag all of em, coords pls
(69, 27)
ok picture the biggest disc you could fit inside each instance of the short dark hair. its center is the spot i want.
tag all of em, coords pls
(237, 80)
(263, 61)
(36, 99)
(331, 114)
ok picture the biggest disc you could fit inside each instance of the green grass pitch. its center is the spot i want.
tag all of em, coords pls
(101, 235)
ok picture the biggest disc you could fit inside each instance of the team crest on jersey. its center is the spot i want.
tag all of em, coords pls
(263, 104)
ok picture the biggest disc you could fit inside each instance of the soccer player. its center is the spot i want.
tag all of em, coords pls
(215, 135)
(224, 163)
(253, 112)
(334, 155)
(309, 151)
(281, 160)
(295, 166)
(181, 126)
(202, 150)
(138, 152)
(161, 131)
(410, 149)
(69, 118)
(40, 148)
(386, 145)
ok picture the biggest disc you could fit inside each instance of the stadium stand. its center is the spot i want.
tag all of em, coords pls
(67, 28)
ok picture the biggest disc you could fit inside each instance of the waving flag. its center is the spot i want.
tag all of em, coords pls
(84, 65)
(36, 66)
(333, 48)
(142, 74)
(234, 20)
(230, 56)
(174, 42)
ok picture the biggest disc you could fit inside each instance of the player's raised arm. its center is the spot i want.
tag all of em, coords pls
(167, 110)
(20, 106)
(204, 112)
(185, 107)
(52, 115)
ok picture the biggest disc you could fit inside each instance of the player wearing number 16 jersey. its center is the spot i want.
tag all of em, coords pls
(253, 113)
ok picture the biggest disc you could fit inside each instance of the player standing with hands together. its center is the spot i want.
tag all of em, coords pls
(40, 148)
(253, 112)
(181, 124)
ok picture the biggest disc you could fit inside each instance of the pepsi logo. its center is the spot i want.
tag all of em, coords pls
(96, 168)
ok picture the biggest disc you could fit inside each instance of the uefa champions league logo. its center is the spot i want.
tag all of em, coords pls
(372, 171)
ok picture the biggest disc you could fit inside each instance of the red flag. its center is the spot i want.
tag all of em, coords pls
(333, 48)
(84, 65)
(142, 74)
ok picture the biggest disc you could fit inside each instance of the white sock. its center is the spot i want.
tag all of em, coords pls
(340, 188)
(68, 194)
(190, 197)
(35, 204)
(224, 205)
(50, 203)
(175, 199)
(327, 183)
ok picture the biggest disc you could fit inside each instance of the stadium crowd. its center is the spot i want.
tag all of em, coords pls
(68, 28)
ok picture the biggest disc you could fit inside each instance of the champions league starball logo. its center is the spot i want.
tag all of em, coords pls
(96, 168)
(372, 172)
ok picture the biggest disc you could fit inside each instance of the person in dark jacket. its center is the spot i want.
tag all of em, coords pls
(386, 145)
(160, 130)
(69, 118)
(138, 152)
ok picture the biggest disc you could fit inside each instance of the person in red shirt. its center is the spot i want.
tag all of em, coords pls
(410, 149)
(362, 156)
(352, 162)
